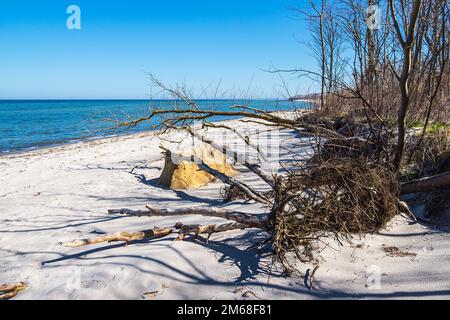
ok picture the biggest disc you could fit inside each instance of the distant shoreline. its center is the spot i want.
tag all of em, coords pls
(140, 100)
(314, 102)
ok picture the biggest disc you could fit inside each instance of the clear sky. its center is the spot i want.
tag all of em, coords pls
(197, 42)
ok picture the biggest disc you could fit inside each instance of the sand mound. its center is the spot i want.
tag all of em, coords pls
(187, 175)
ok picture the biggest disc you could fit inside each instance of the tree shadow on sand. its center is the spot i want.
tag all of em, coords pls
(250, 260)
(254, 266)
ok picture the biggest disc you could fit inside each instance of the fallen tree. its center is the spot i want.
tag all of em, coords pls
(346, 186)
(342, 197)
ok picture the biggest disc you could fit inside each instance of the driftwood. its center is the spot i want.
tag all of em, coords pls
(193, 113)
(434, 183)
(254, 195)
(300, 127)
(240, 221)
(255, 221)
(122, 236)
(9, 291)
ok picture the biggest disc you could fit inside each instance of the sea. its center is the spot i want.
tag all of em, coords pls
(34, 124)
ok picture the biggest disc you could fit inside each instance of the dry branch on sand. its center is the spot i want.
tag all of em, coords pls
(9, 291)
(155, 233)
(343, 198)
(122, 236)
(256, 221)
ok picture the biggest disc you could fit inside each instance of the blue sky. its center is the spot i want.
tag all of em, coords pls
(197, 42)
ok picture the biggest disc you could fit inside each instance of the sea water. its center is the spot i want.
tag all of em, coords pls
(31, 124)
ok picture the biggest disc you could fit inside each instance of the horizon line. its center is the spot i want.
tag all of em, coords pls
(138, 99)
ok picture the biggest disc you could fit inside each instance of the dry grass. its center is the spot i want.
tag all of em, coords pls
(429, 156)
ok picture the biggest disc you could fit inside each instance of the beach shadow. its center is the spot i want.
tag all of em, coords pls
(254, 265)
(241, 252)
(191, 198)
(149, 182)
(85, 253)
(248, 260)
(65, 224)
(129, 168)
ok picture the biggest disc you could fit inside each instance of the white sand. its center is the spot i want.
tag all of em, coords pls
(63, 193)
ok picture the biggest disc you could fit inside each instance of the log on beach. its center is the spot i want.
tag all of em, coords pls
(427, 184)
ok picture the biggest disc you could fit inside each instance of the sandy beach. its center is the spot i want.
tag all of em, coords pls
(63, 193)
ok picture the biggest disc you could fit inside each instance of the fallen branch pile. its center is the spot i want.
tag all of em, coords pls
(342, 198)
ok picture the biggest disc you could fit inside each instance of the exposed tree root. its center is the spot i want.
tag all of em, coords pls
(9, 291)
(240, 221)
(252, 194)
(404, 208)
(122, 236)
(340, 197)
(255, 168)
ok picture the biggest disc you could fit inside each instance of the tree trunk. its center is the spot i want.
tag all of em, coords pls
(407, 44)
(403, 109)
(438, 182)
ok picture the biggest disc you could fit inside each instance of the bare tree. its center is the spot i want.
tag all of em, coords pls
(406, 40)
